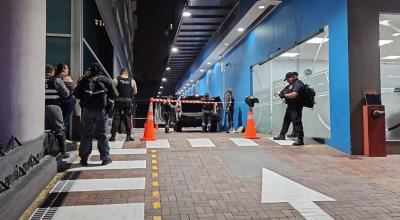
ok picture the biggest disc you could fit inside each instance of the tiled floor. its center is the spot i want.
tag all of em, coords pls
(236, 179)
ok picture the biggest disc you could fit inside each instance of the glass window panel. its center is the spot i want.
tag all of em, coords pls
(59, 16)
(58, 50)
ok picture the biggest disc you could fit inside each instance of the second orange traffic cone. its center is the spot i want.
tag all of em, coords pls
(149, 126)
(250, 127)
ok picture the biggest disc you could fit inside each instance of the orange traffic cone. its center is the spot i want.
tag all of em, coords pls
(250, 127)
(149, 126)
(156, 127)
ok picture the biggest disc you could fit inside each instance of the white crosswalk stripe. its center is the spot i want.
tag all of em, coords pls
(243, 142)
(161, 143)
(201, 142)
(81, 185)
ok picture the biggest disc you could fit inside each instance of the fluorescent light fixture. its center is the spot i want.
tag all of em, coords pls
(188, 84)
(384, 42)
(164, 79)
(261, 7)
(317, 40)
(168, 68)
(187, 14)
(161, 87)
(201, 70)
(191, 80)
(209, 63)
(175, 50)
(289, 55)
(392, 57)
(226, 44)
(396, 34)
(240, 29)
(384, 22)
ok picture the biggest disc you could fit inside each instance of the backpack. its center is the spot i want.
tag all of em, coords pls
(95, 93)
(309, 96)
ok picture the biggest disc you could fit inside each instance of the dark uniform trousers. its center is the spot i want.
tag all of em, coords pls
(93, 124)
(54, 122)
(230, 119)
(293, 115)
(122, 112)
(206, 120)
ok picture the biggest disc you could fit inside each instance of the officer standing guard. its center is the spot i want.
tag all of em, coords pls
(55, 92)
(230, 106)
(293, 94)
(168, 111)
(207, 113)
(123, 105)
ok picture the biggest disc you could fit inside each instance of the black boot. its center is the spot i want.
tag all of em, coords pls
(280, 138)
(129, 138)
(292, 135)
(112, 138)
(299, 142)
(84, 162)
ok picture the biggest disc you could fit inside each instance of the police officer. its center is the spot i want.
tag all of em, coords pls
(93, 91)
(123, 106)
(207, 113)
(55, 92)
(293, 94)
(168, 111)
(230, 106)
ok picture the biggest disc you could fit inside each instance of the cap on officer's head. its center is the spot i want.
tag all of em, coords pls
(290, 74)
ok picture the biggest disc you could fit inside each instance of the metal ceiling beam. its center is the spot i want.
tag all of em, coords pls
(208, 16)
(195, 36)
(202, 23)
(210, 7)
(193, 30)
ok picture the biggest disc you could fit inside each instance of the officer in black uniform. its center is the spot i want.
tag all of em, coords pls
(293, 95)
(123, 106)
(168, 108)
(230, 106)
(93, 91)
(207, 113)
(55, 92)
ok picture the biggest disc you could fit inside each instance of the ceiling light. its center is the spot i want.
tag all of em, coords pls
(209, 63)
(384, 22)
(261, 7)
(391, 58)
(384, 42)
(187, 14)
(159, 92)
(164, 79)
(289, 55)
(201, 70)
(175, 50)
(168, 68)
(317, 40)
(161, 87)
(396, 34)
(240, 29)
(188, 84)
(226, 44)
(191, 80)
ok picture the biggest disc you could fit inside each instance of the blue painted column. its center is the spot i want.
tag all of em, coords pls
(22, 64)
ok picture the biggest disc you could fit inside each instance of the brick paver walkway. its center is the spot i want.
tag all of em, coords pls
(225, 182)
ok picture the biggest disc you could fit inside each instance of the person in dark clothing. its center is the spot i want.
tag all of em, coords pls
(207, 110)
(55, 92)
(93, 91)
(293, 95)
(168, 111)
(230, 106)
(68, 104)
(123, 105)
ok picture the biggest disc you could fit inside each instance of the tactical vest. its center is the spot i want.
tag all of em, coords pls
(124, 87)
(52, 95)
